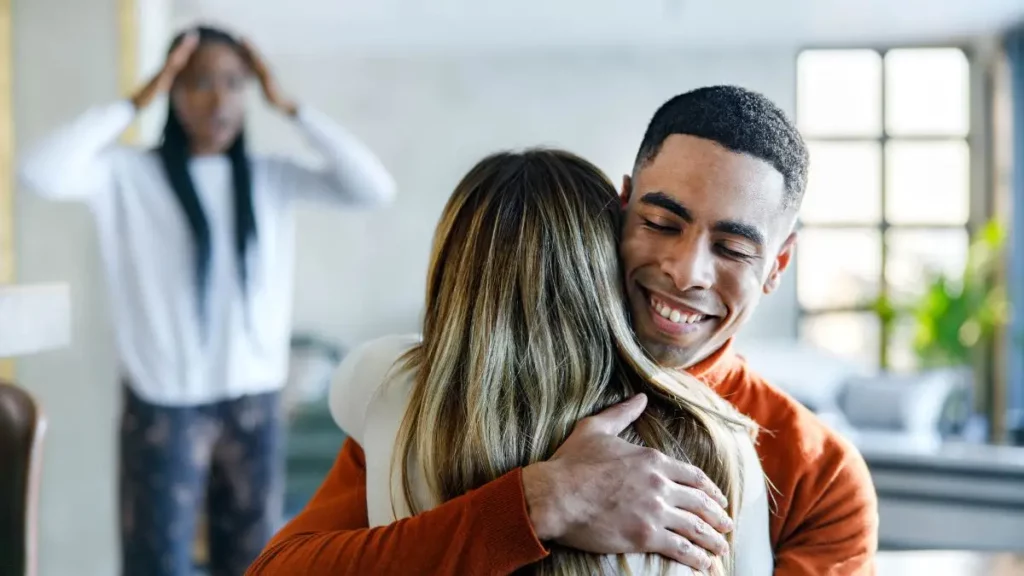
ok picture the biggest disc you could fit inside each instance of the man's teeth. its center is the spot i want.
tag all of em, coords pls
(675, 315)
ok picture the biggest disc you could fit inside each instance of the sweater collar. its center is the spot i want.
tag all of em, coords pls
(715, 369)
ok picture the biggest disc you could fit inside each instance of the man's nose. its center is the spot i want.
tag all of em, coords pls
(691, 265)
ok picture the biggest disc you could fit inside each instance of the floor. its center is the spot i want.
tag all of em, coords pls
(931, 564)
(949, 564)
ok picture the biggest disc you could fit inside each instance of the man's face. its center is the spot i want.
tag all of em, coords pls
(706, 234)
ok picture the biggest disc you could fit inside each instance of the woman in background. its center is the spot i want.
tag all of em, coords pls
(196, 238)
(525, 334)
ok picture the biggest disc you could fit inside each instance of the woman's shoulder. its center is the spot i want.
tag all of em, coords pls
(754, 481)
(752, 539)
(359, 377)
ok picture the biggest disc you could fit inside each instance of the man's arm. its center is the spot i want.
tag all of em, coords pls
(598, 493)
(486, 531)
(839, 532)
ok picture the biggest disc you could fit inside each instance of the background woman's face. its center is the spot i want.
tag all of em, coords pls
(209, 96)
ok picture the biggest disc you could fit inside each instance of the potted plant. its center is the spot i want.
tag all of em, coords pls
(954, 314)
(954, 321)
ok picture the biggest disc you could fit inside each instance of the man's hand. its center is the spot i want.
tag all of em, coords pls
(601, 494)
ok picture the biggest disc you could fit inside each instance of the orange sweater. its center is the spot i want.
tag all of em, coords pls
(824, 519)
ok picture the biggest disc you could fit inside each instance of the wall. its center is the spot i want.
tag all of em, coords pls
(432, 116)
(359, 275)
(7, 266)
(65, 60)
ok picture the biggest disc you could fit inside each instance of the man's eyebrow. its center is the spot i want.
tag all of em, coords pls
(748, 231)
(732, 227)
(666, 202)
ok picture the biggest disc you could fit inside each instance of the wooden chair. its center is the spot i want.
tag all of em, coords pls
(22, 427)
(35, 318)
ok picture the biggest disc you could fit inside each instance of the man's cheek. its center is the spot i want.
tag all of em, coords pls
(639, 248)
(739, 288)
(631, 250)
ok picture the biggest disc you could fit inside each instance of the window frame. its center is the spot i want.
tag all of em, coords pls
(883, 226)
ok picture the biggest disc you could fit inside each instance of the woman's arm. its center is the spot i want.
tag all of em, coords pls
(352, 174)
(75, 162)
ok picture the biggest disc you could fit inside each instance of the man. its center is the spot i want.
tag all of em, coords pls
(710, 212)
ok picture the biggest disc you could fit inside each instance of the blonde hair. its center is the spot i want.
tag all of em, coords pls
(526, 332)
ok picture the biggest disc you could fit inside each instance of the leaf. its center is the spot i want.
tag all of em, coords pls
(955, 314)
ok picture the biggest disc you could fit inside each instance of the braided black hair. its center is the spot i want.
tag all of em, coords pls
(174, 155)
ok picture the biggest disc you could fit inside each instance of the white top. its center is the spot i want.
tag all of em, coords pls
(371, 415)
(148, 255)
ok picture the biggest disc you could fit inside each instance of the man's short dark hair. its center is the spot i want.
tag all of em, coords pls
(739, 120)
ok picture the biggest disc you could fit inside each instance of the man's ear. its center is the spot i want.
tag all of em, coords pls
(780, 264)
(627, 189)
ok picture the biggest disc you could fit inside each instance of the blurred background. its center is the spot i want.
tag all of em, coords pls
(896, 327)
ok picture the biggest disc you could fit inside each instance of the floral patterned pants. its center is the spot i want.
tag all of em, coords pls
(227, 456)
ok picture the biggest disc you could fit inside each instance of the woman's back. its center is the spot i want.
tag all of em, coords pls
(370, 395)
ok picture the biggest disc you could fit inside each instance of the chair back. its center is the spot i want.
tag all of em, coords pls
(22, 427)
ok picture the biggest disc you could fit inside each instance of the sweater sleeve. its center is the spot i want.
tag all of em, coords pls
(76, 161)
(351, 175)
(486, 531)
(839, 534)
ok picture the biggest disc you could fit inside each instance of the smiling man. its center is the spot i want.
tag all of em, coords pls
(710, 216)
(709, 229)
(709, 219)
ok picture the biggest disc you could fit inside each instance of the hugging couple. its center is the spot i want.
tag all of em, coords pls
(573, 404)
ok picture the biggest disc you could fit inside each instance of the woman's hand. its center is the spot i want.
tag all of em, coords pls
(164, 79)
(271, 91)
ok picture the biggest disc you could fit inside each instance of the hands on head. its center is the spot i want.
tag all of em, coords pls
(271, 91)
(179, 57)
(601, 494)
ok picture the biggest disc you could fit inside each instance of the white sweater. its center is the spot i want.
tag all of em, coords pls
(148, 253)
(371, 414)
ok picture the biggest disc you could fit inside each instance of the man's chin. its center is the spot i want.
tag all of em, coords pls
(672, 355)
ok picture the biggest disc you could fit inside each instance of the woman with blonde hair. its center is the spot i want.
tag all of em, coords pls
(526, 334)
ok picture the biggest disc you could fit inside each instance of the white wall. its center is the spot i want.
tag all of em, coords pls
(66, 59)
(432, 116)
(359, 275)
(154, 33)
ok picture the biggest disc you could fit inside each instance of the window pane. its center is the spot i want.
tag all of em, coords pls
(852, 335)
(927, 182)
(838, 268)
(927, 92)
(844, 183)
(839, 92)
(917, 256)
(901, 355)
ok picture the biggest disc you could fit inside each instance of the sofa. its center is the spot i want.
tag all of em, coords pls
(871, 408)
(939, 484)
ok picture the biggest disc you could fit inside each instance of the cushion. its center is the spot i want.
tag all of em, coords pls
(813, 376)
(904, 402)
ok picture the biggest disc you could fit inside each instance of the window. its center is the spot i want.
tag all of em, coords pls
(888, 194)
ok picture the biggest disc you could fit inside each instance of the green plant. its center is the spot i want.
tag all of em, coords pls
(953, 315)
